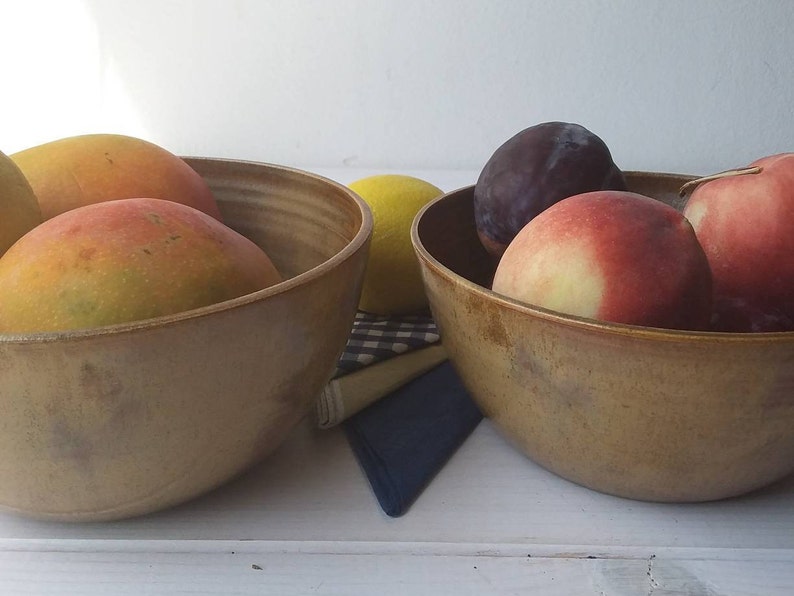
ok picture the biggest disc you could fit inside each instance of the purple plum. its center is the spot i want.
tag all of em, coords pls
(536, 168)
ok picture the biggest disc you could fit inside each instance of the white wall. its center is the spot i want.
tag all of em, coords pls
(678, 85)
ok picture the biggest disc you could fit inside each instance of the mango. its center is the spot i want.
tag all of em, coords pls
(19, 210)
(125, 260)
(87, 169)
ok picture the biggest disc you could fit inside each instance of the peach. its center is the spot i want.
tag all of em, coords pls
(124, 260)
(745, 223)
(86, 169)
(613, 256)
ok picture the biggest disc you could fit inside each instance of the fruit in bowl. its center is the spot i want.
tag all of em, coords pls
(19, 209)
(613, 256)
(534, 169)
(85, 169)
(744, 219)
(125, 260)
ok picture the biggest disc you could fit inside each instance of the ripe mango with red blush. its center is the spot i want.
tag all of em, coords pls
(125, 260)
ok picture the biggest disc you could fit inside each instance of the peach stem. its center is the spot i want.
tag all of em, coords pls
(726, 174)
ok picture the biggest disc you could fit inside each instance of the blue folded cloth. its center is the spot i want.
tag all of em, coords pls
(404, 439)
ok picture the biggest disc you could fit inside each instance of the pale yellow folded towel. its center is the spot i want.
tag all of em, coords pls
(351, 393)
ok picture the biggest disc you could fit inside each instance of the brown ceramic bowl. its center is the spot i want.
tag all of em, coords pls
(631, 411)
(128, 419)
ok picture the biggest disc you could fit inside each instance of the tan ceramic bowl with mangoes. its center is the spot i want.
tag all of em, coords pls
(639, 412)
(129, 418)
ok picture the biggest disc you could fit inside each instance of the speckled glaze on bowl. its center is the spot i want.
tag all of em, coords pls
(637, 412)
(129, 419)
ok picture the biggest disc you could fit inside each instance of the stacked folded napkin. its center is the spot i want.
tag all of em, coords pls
(369, 368)
(401, 404)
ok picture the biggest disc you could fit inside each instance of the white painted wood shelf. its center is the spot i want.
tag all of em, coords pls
(491, 523)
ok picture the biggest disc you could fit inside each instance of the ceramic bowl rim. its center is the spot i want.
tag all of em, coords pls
(360, 239)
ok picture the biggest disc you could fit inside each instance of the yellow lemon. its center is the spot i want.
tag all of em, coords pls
(392, 281)
(19, 209)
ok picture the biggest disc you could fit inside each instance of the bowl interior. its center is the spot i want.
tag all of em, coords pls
(324, 215)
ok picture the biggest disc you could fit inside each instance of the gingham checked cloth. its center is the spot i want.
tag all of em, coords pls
(376, 338)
